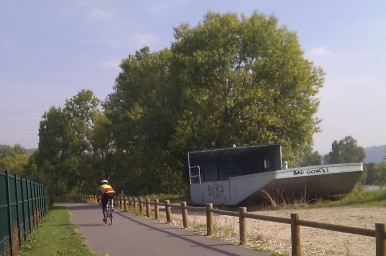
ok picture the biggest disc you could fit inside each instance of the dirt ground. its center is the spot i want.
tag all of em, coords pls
(276, 237)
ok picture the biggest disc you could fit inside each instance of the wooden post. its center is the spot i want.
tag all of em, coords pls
(135, 205)
(156, 209)
(168, 211)
(184, 212)
(295, 235)
(380, 244)
(209, 219)
(148, 208)
(243, 225)
(124, 203)
(120, 202)
(140, 205)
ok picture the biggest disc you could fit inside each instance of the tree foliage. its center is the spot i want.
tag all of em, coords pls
(376, 174)
(346, 151)
(230, 80)
(309, 157)
(245, 81)
(66, 153)
(13, 159)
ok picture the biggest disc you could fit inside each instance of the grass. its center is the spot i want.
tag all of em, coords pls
(365, 198)
(162, 197)
(358, 197)
(56, 236)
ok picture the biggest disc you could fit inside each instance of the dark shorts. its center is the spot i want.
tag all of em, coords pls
(105, 198)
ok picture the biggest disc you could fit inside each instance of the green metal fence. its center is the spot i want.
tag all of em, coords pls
(22, 206)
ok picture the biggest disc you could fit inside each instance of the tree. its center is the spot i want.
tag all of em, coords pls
(66, 154)
(53, 156)
(229, 80)
(140, 117)
(376, 174)
(346, 151)
(13, 159)
(309, 157)
(6, 150)
(81, 112)
(245, 81)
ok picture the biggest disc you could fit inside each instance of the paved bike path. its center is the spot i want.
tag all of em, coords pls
(141, 236)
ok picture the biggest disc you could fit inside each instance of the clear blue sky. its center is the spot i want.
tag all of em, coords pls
(50, 50)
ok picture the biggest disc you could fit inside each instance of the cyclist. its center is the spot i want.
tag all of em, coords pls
(108, 193)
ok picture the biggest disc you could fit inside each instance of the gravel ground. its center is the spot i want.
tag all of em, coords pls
(276, 237)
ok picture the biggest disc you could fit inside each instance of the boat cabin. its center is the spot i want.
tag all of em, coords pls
(222, 164)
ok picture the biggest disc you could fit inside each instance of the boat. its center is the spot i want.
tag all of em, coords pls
(234, 176)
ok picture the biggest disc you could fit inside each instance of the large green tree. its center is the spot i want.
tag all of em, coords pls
(68, 158)
(345, 151)
(245, 81)
(230, 80)
(81, 112)
(53, 158)
(140, 114)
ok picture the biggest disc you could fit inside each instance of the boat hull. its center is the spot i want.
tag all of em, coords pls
(295, 183)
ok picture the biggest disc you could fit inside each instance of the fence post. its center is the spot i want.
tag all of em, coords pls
(135, 205)
(9, 212)
(295, 235)
(19, 231)
(243, 225)
(24, 210)
(156, 209)
(140, 205)
(168, 211)
(148, 208)
(209, 219)
(124, 203)
(380, 239)
(184, 212)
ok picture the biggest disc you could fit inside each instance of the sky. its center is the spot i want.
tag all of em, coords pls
(52, 49)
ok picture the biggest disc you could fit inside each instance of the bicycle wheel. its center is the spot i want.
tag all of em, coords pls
(106, 215)
(110, 216)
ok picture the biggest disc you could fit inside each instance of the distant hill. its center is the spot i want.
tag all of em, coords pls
(375, 154)
(30, 151)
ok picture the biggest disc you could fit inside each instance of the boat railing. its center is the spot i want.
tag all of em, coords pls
(195, 174)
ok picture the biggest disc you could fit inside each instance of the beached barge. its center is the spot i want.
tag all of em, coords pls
(232, 176)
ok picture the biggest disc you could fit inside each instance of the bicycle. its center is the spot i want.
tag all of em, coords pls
(109, 213)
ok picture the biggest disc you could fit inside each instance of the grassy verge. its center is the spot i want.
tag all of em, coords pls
(366, 198)
(358, 197)
(174, 198)
(56, 236)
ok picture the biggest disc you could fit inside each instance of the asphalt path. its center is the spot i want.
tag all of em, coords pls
(135, 235)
